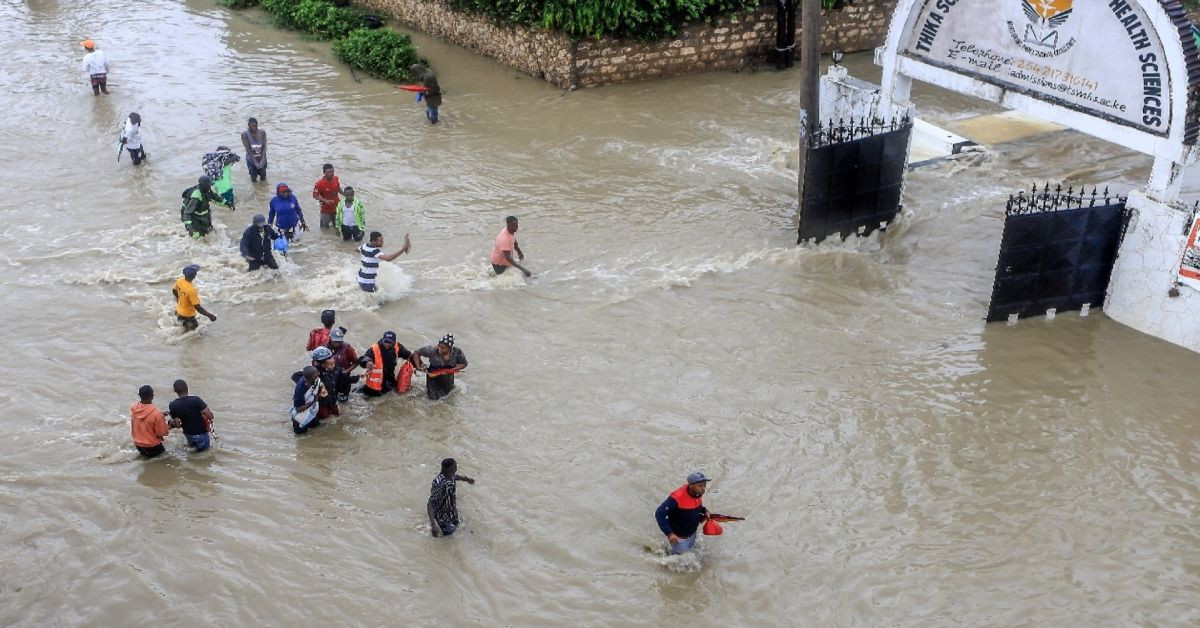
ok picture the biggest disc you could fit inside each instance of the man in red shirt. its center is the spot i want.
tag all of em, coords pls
(327, 191)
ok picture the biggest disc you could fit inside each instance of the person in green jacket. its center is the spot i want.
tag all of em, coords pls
(218, 166)
(350, 218)
(196, 212)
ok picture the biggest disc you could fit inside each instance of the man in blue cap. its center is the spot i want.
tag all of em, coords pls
(187, 299)
(257, 244)
(680, 516)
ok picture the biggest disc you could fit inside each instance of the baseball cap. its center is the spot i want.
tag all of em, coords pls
(389, 336)
(337, 335)
(191, 268)
(696, 476)
(260, 219)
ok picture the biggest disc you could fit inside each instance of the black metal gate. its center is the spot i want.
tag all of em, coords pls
(853, 177)
(1057, 251)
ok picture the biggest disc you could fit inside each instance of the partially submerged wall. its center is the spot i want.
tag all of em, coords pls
(729, 44)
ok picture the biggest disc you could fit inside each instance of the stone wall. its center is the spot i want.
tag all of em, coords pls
(730, 44)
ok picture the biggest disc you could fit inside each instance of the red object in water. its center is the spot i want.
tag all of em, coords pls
(712, 528)
(412, 88)
(404, 378)
(440, 372)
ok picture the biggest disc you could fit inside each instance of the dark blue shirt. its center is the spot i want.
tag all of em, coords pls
(683, 522)
(302, 387)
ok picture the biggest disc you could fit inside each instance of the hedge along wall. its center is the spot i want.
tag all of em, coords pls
(729, 44)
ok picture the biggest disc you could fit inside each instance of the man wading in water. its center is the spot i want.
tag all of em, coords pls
(187, 299)
(442, 506)
(506, 243)
(372, 253)
(254, 140)
(680, 515)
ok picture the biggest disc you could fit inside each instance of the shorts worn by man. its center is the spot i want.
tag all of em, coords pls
(193, 415)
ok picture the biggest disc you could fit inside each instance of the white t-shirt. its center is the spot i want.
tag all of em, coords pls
(132, 134)
(95, 63)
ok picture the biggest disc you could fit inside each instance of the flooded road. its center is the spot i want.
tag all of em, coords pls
(899, 462)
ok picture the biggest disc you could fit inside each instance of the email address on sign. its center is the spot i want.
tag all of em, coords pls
(1067, 90)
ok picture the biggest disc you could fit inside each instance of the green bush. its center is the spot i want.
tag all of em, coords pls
(644, 20)
(382, 53)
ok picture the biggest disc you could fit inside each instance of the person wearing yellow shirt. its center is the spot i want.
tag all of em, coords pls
(187, 300)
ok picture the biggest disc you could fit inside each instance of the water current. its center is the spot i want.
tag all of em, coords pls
(899, 462)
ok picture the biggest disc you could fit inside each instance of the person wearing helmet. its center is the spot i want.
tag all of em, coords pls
(196, 213)
(319, 337)
(285, 213)
(330, 375)
(346, 359)
(95, 65)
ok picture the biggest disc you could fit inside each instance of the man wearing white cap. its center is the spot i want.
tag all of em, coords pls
(680, 516)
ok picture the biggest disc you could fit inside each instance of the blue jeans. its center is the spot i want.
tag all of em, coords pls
(431, 113)
(199, 441)
(684, 545)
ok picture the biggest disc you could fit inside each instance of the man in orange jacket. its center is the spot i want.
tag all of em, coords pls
(148, 425)
(381, 362)
(680, 515)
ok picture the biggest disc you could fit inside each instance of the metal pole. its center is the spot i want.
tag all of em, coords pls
(810, 60)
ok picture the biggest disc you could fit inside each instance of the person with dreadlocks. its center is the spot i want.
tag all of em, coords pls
(444, 361)
(442, 506)
(218, 166)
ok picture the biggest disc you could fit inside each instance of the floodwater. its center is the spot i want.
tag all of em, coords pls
(899, 462)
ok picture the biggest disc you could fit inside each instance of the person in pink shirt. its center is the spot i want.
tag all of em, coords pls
(506, 243)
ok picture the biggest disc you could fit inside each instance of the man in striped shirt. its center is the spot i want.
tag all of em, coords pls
(372, 254)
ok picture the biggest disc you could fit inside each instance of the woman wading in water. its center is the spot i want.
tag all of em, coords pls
(444, 361)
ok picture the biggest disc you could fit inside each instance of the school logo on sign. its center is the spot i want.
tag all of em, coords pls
(1041, 36)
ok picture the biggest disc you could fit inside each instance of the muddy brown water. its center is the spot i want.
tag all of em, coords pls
(899, 461)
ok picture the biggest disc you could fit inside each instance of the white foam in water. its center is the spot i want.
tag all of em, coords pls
(471, 275)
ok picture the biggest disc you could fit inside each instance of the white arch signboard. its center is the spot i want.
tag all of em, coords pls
(1126, 71)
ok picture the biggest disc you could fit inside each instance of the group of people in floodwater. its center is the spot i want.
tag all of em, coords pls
(387, 366)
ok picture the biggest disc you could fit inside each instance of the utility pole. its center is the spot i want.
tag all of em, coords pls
(810, 61)
(810, 81)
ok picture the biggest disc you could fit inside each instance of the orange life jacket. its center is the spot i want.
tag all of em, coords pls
(685, 500)
(375, 376)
